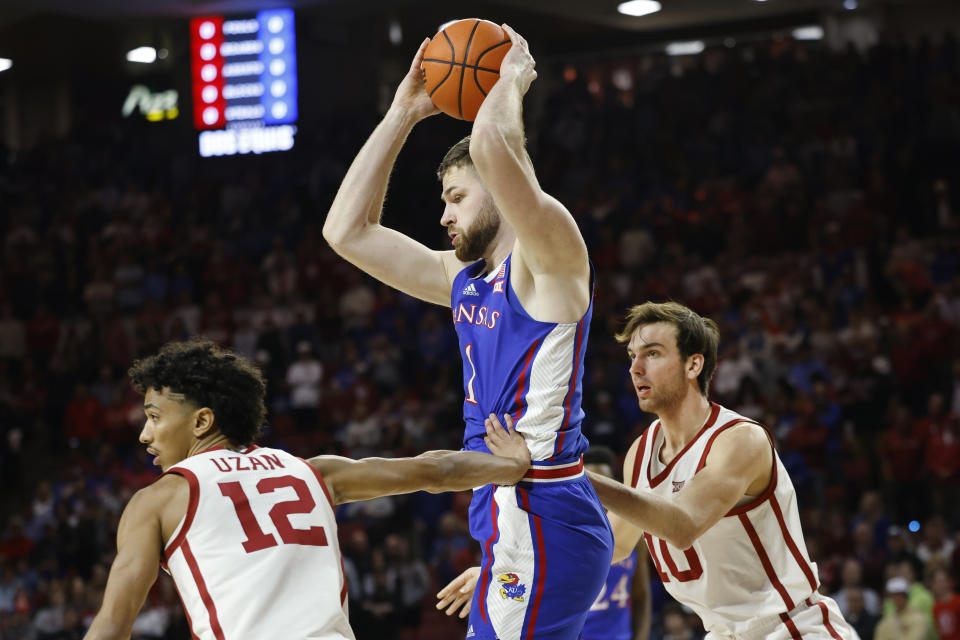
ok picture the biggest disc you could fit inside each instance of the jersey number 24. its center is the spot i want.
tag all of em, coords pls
(620, 595)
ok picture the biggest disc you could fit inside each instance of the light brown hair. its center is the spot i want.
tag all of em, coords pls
(457, 156)
(695, 334)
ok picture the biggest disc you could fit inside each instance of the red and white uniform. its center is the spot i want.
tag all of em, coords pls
(749, 576)
(256, 555)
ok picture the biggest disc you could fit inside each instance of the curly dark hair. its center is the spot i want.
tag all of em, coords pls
(209, 376)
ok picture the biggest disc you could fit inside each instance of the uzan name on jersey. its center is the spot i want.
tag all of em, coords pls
(480, 317)
(266, 462)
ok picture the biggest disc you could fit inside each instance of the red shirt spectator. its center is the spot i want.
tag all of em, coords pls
(946, 609)
(942, 431)
(43, 332)
(83, 416)
(15, 544)
(902, 449)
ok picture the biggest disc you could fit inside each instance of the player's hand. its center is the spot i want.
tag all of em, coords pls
(518, 63)
(411, 96)
(505, 441)
(459, 593)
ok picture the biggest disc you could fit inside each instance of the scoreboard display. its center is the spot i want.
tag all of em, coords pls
(244, 77)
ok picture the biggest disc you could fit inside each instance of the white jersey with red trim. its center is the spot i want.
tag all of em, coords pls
(753, 563)
(256, 555)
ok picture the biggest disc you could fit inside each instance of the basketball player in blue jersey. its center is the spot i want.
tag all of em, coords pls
(613, 615)
(520, 286)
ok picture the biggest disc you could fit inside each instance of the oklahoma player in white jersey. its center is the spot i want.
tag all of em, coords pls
(247, 533)
(710, 495)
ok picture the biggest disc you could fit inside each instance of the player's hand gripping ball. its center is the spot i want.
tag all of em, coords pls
(461, 65)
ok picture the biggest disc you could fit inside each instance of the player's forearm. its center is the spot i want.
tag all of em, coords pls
(626, 535)
(359, 201)
(646, 510)
(498, 127)
(461, 470)
(104, 628)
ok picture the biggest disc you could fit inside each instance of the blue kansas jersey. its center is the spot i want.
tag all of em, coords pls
(546, 543)
(514, 364)
(610, 617)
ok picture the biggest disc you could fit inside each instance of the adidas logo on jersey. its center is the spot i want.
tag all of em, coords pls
(470, 290)
(470, 632)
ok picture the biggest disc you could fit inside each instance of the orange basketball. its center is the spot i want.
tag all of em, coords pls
(462, 63)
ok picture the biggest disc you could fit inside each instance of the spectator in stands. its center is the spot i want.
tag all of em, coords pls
(304, 376)
(935, 543)
(902, 450)
(857, 615)
(902, 622)
(852, 580)
(411, 577)
(676, 625)
(946, 609)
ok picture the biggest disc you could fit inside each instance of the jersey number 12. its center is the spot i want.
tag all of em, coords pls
(257, 538)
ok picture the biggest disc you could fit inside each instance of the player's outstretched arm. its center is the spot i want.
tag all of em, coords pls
(459, 593)
(139, 541)
(353, 226)
(434, 471)
(548, 237)
(739, 462)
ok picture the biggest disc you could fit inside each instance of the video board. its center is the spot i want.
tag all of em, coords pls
(244, 81)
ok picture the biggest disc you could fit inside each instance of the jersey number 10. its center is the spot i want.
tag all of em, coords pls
(257, 538)
(685, 575)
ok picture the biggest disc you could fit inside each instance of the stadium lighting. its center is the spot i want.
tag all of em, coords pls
(5, 63)
(637, 8)
(813, 32)
(146, 55)
(395, 32)
(685, 48)
(850, 5)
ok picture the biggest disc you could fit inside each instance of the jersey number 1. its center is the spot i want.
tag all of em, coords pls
(257, 538)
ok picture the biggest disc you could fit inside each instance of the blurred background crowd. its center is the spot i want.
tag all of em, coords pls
(805, 199)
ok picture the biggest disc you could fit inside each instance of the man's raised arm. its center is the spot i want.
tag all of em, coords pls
(548, 237)
(353, 226)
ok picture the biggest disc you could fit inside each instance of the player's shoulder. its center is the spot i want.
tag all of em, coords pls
(636, 449)
(165, 486)
(744, 440)
(156, 495)
(451, 265)
(728, 421)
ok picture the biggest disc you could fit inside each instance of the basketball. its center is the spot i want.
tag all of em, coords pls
(462, 63)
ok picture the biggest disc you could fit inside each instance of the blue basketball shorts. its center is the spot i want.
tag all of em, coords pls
(547, 547)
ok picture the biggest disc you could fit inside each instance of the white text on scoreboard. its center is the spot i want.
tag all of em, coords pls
(245, 78)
